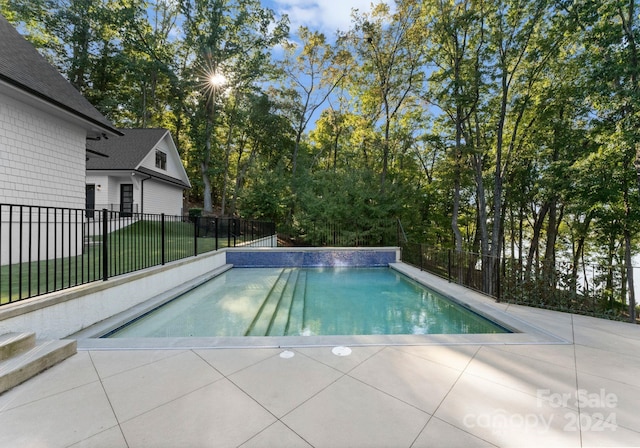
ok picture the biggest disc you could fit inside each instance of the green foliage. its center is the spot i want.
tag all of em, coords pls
(267, 195)
(502, 127)
(195, 213)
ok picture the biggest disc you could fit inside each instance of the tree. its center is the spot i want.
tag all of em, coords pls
(227, 40)
(390, 49)
(151, 56)
(456, 48)
(518, 52)
(313, 69)
(611, 54)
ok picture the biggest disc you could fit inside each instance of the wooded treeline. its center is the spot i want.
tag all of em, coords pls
(508, 128)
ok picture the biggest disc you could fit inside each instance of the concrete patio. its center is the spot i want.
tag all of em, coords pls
(581, 392)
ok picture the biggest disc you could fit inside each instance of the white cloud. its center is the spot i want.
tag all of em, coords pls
(326, 16)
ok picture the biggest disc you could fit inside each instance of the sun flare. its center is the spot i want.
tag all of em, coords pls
(217, 79)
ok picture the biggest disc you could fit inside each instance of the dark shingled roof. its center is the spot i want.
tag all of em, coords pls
(128, 151)
(23, 67)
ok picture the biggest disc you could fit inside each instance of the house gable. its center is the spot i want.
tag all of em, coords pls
(44, 125)
(136, 151)
(28, 77)
(173, 164)
(132, 161)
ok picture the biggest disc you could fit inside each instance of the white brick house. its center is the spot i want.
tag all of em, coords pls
(142, 173)
(44, 126)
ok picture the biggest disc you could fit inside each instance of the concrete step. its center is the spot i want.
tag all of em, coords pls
(22, 366)
(13, 343)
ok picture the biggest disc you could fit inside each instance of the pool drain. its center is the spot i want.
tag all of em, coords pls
(287, 354)
(341, 351)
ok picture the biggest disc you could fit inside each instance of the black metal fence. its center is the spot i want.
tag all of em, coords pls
(114, 207)
(335, 234)
(590, 289)
(46, 249)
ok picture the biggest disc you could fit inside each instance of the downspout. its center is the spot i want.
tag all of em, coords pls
(142, 194)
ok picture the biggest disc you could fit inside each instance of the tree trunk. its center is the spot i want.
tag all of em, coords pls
(630, 280)
(535, 239)
(482, 221)
(475, 137)
(456, 209)
(242, 171)
(206, 160)
(578, 253)
(628, 17)
(227, 157)
(80, 45)
(627, 256)
(549, 261)
(458, 161)
(494, 251)
(385, 146)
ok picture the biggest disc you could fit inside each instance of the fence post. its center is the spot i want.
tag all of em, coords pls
(449, 265)
(216, 230)
(11, 252)
(196, 227)
(162, 238)
(105, 245)
(20, 230)
(497, 270)
(236, 231)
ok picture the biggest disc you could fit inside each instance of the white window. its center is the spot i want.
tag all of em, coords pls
(161, 160)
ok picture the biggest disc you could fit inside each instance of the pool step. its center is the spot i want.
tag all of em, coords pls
(260, 324)
(295, 319)
(22, 357)
(278, 324)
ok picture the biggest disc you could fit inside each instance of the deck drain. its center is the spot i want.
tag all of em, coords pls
(287, 354)
(341, 351)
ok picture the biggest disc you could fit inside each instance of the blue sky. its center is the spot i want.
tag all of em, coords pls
(326, 16)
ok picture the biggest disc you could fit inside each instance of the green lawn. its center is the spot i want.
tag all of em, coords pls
(135, 247)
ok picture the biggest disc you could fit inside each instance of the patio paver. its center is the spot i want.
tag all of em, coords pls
(458, 394)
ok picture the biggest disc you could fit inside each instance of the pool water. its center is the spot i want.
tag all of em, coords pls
(308, 301)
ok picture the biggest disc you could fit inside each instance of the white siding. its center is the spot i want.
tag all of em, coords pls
(42, 158)
(174, 164)
(102, 189)
(113, 196)
(42, 163)
(108, 192)
(162, 198)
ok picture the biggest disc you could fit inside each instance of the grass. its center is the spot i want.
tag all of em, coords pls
(135, 247)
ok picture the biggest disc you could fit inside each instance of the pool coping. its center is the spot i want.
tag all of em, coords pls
(523, 332)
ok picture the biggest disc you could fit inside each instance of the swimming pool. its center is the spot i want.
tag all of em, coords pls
(308, 302)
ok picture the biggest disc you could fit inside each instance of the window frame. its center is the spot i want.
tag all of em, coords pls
(161, 160)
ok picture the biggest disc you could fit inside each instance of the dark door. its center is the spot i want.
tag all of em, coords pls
(90, 204)
(126, 199)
